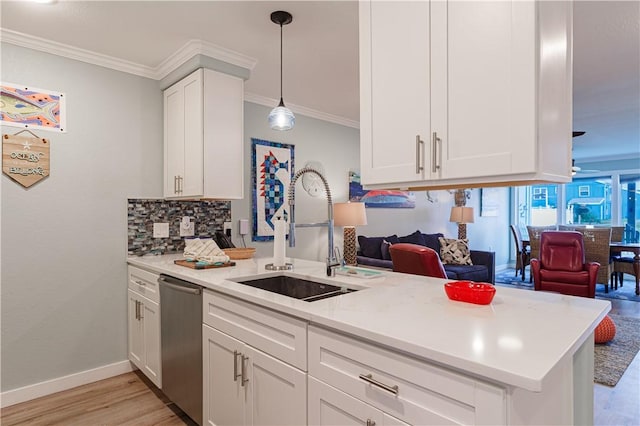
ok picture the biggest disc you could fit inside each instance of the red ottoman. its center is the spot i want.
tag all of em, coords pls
(605, 331)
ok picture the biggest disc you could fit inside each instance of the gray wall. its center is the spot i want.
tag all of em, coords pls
(64, 239)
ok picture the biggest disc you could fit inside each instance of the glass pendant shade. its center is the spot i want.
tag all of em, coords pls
(281, 117)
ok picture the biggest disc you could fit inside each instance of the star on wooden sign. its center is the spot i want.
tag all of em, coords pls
(25, 159)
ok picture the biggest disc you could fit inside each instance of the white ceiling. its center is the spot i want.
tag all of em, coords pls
(321, 52)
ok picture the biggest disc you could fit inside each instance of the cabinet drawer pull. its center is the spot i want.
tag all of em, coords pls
(235, 366)
(371, 422)
(419, 167)
(369, 378)
(243, 369)
(140, 282)
(434, 161)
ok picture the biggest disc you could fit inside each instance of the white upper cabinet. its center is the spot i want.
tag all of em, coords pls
(395, 89)
(465, 93)
(203, 137)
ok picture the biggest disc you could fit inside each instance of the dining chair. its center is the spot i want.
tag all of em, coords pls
(534, 240)
(562, 267)
(617, 234)
(523, 256)
(570, 227)
(416, 259)
(596, 249)
(622, 265)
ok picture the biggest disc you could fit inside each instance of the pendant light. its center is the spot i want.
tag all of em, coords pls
(281, 117)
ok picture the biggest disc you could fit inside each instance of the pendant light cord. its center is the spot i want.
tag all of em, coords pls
(281, 63)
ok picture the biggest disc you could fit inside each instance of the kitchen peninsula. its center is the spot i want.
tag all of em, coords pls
(399, 349)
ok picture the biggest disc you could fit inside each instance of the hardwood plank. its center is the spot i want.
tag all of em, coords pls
(127, 399)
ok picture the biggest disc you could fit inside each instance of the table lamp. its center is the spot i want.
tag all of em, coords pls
(462, 216)
(349, 215)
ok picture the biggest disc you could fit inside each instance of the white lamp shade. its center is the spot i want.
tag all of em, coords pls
(349, 214)
(461, 215)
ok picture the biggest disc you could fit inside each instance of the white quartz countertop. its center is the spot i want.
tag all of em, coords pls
(516, 340)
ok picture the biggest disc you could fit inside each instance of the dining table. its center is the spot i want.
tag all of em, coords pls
(615, 248)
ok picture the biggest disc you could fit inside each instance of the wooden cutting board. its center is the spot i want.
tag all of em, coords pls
(195, 265)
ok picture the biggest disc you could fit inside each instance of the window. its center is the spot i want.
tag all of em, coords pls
(592, 208)
(540, 194)
(630, 206)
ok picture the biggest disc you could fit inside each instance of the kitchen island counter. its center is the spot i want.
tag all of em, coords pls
(517, 340)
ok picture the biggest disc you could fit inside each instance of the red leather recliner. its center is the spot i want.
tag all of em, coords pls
(561, 266)
(416, 259)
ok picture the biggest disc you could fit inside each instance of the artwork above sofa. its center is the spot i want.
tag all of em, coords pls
(374, 251)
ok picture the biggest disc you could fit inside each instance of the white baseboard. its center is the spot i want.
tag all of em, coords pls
(48, 387)
(501, 268)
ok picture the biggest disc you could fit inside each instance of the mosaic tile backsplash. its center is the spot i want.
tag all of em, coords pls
(209, 217)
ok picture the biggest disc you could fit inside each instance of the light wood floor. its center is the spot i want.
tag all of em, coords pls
(130, 399)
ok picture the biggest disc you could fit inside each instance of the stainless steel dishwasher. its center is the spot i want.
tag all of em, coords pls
(181, 342)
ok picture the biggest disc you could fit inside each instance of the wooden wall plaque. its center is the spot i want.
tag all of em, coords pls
(25, 159)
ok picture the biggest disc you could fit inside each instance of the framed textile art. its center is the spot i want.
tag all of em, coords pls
(379, 198)
(32, 108)
(272, 168)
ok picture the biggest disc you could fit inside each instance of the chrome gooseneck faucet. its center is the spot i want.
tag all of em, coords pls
(332, 262)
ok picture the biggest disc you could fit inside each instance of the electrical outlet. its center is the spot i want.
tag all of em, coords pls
(243, 225)
(160, 230)
(187, 227)
(227, 228)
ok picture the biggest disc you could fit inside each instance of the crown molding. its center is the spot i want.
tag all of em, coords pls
(271, 102)
(602, 158)
(199, 47)
(186, 52)
(82, 55)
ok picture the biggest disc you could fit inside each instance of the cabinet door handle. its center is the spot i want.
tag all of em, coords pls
(235, 366)
(371, 422)
(137, 310)
(434, 161)
(141, 310)
(175, 184)
(180, 179)
(369, 379)
(243, 369)
(419, 167)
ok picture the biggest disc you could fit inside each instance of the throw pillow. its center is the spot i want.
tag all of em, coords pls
(455, 252)
(415, 238)
(431, 241)
(370, 246)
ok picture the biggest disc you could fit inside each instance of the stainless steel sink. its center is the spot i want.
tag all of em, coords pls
(306, 290)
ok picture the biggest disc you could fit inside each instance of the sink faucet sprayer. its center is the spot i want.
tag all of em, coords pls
(331, 259)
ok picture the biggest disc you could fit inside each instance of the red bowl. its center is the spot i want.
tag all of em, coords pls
(470, 292)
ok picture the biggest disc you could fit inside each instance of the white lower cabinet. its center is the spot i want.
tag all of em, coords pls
(329, 406)
(402, 387)
(245, 386)
(144, 336)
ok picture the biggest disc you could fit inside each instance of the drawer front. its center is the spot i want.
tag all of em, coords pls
(411, 390)
(278, 335)
(144, 283)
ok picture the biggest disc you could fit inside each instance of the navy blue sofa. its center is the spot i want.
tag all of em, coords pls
(374, 251)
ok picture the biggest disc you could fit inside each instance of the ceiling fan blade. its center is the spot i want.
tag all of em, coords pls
(578, 133)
